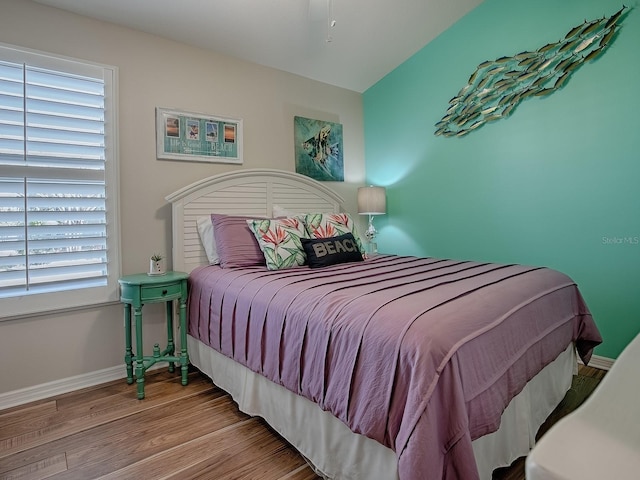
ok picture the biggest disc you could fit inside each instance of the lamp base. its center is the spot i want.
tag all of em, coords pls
(371, 248)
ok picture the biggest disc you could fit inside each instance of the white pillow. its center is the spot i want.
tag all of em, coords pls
(281, 212)
(205, 230)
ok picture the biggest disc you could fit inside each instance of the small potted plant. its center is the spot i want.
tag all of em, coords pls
(156, 264)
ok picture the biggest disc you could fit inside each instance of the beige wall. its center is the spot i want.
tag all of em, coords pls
(157, 72)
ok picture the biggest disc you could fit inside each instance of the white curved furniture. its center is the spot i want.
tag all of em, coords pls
(601, 439)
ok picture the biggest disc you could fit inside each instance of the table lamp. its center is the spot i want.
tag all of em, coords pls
(372, 201)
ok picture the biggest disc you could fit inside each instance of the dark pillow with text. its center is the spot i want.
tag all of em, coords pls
(322, 252)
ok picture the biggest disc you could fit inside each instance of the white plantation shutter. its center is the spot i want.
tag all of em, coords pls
(58, 208)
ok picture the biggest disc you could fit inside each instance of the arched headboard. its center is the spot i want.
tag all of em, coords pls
(251, 192)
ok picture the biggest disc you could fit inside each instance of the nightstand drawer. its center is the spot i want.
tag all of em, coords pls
(158, 292)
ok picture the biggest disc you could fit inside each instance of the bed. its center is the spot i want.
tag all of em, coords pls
(391, 367)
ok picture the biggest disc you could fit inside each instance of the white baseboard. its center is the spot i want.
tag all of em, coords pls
(65, 385)
(603, 363)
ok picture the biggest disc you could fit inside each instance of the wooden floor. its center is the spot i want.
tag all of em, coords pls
(105, 432)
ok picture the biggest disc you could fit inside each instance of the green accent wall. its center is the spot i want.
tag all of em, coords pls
(557, 183)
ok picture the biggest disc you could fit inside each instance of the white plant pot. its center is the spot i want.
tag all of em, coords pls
(156, 267)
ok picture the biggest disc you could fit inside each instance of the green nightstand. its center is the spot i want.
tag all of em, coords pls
(135, 291)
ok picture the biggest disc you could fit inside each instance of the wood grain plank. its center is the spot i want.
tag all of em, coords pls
(64, 424)
(221, 448)
(121, 446)
(97, 396)
(85, 402)
(38, 470)
(21, 414)
(123, 434)
(270, 457)
(303, 472)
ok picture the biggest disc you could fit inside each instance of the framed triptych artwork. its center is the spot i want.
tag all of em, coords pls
(197, 137)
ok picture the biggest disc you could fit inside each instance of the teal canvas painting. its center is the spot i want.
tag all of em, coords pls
(318, 149)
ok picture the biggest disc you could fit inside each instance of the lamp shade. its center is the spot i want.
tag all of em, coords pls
(372, 200)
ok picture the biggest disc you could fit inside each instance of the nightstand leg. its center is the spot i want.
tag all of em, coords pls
(171, 348)
(184, 356)
(137, 311)
(128, 355)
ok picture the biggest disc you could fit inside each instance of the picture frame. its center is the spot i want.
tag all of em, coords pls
(198, 137)
(319, 151)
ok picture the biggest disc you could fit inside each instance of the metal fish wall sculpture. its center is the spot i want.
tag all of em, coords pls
(495, 88)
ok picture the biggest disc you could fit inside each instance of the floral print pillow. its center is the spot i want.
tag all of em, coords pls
(326, 225)
(279, 240)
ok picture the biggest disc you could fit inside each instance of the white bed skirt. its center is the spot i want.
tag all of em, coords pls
(337, 453)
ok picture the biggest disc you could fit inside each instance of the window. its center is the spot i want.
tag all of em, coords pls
(59, 236)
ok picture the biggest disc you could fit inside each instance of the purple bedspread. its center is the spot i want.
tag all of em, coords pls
(420, 354)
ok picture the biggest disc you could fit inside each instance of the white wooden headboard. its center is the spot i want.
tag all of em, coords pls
(244, 192)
